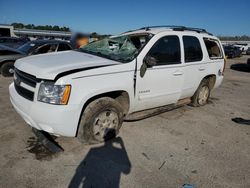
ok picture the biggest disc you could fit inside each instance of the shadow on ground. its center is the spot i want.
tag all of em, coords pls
(243, 67)
(103, 166)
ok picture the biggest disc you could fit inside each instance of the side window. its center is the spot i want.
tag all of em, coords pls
(63, 47)
(192, 49)
(166, 51)
(213, 48)
(46, 49)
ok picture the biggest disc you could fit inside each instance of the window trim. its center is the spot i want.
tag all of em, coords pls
(177, 63)
(217, 42)
(184, 49)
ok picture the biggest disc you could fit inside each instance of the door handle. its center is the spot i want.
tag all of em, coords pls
(178, 73)
(201, 68)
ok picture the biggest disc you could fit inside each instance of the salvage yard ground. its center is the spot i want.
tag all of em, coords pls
(199, 146)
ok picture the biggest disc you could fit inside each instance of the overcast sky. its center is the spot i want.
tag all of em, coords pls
(229, 17)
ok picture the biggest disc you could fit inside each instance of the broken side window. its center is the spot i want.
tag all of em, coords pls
(213, 48)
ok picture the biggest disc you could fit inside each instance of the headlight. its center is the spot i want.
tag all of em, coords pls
(54, 94)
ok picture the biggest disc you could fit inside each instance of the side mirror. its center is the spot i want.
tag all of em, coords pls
(148, 61)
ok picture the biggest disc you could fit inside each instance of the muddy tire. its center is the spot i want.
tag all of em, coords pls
(100, 121)
(7, 69)
(202, 94)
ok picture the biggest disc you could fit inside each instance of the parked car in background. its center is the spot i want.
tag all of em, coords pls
(243, 46)
(8, 55)
(232, 51)
(248, 51)
(13, 42)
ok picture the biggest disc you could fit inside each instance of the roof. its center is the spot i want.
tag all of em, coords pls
(48, 41)
(158, 29)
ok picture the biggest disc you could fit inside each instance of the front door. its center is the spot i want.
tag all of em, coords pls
(162, 82)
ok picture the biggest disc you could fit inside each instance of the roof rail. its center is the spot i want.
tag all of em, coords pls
(175, 28)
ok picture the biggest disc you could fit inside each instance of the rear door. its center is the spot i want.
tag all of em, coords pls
(162, 83)
(194, 64)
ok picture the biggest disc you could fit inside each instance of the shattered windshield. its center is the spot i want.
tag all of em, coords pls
(122, 48)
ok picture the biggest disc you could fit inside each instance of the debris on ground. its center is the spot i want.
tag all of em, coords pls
(43, 145)
(37, 148)
(48, 141)
(145, 155)
(241, 121)
(188, 186)
(162, 165)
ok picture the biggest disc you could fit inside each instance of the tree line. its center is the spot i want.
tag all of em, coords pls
(94, 34)
(235, 38)
(40, 27)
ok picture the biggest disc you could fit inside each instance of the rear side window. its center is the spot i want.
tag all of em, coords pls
(213, 49)
(166, 51)
(192, 49)
(46, 49)
(63, 47)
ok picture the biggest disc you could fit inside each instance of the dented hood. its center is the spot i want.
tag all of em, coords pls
(48, 66)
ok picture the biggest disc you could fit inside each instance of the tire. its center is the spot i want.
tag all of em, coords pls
(100, 121)
(202, 94)
(7, 69)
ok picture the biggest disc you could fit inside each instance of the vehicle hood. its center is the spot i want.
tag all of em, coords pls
(48, 66)
(6, 48)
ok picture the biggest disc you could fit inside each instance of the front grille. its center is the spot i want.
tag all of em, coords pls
(22, 77)
(26, 78)
(27, 94)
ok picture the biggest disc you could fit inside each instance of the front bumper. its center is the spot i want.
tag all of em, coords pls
(55, 119)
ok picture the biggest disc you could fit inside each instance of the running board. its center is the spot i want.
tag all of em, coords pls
(47, 141)
(135, 116)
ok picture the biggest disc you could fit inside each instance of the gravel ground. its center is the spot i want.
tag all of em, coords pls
(199, 146)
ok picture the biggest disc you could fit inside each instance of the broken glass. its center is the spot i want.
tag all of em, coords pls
(119, 48)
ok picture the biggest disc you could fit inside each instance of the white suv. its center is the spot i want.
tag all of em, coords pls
(89, 92)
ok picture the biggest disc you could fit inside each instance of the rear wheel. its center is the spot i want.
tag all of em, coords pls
(202, 94)
(100, 121)
(7, 69)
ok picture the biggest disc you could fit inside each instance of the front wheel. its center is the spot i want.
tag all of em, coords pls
(7, 69)
(100, 121)
(202, 94)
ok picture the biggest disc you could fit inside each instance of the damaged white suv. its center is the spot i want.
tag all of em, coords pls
(89, 92)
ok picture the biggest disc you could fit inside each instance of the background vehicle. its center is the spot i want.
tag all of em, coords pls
(89, 92)
(248, 51)
(13, 42)
(8, 56)
(232, 51)
(243, 46)
(7, 30)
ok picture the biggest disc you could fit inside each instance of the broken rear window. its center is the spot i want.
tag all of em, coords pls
(122, 48)
(213, 48)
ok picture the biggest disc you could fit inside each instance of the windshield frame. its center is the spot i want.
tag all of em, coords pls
(148, 37)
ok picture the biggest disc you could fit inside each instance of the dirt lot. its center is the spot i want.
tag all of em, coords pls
(198, 146)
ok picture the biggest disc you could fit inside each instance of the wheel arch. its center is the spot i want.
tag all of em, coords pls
(5, 61)
(211, 79)
(119, 95)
